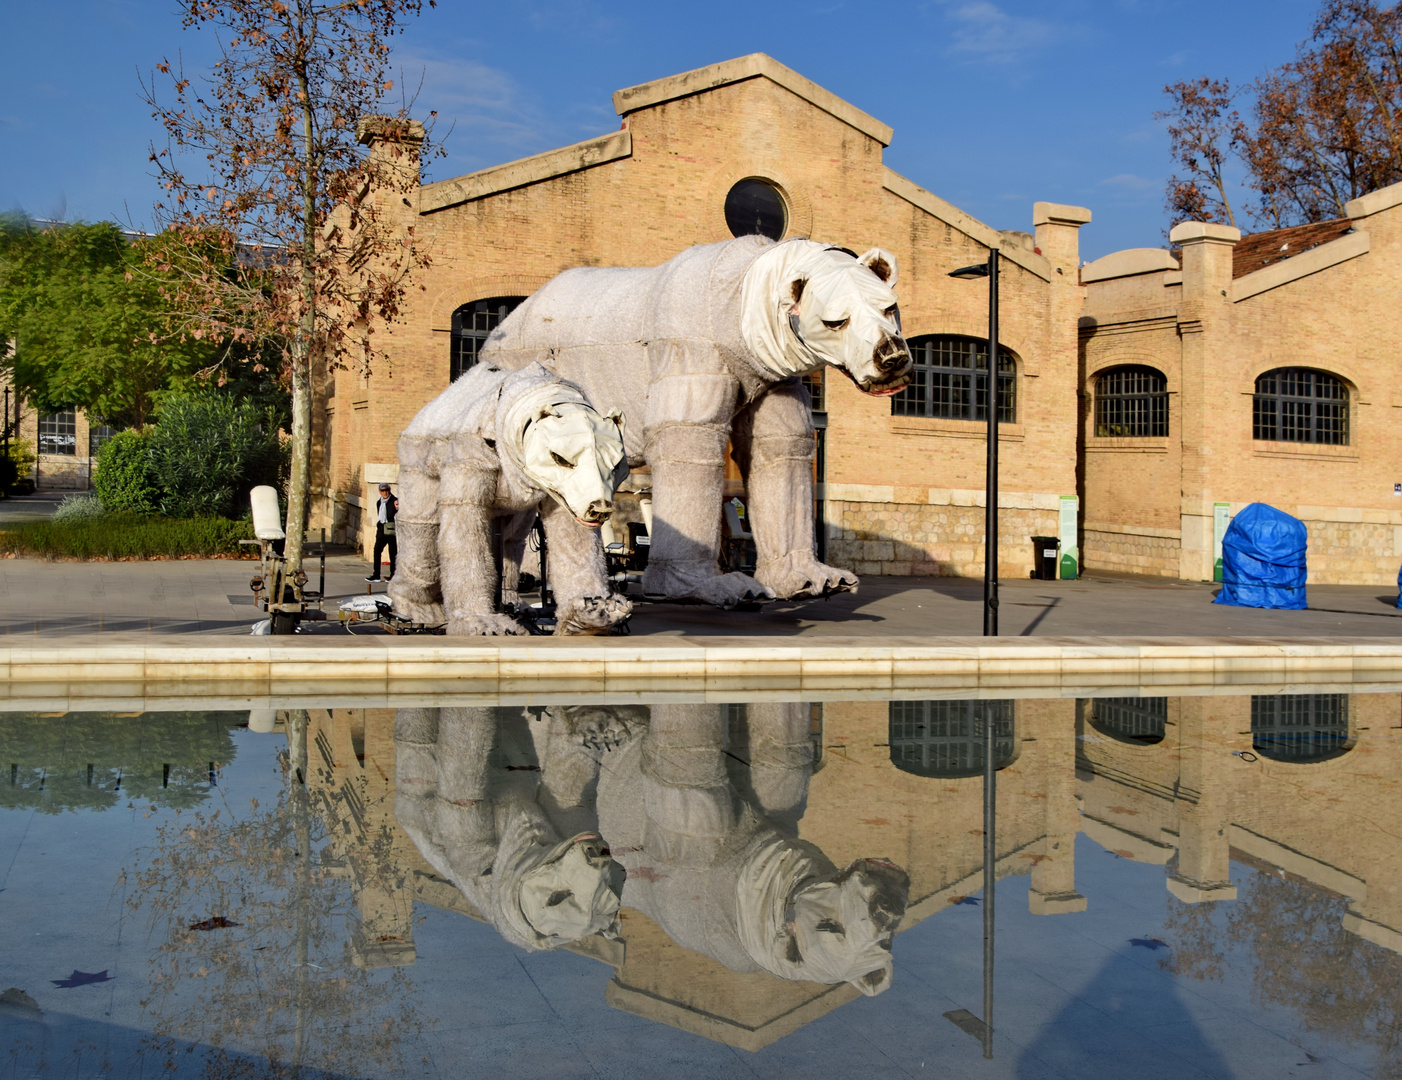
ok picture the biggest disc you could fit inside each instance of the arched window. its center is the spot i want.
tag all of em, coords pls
(945, 738)
(754, 206)
(950, 380)
(471, 325)
(1299, 727)
(1300, 405)
(1141, 720)
(1131, 401)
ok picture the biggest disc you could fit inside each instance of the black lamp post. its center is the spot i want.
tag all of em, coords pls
(990, 511)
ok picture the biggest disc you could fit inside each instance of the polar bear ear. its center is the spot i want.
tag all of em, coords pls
(881, 263)
(794, 291)
(616, 415)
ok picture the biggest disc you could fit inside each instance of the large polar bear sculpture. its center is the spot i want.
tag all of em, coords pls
(709, 347)
(707, 830)
(499, 444)
(466, 794)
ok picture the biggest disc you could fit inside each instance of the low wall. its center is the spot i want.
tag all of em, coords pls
(936, 540)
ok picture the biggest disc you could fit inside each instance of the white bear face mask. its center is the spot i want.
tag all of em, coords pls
(806, 305)
(574, 454)
(574, 894)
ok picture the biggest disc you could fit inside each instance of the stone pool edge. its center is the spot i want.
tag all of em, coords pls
(248, 670)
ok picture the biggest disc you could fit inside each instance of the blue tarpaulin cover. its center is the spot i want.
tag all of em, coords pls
(1263, 560)
(1399, 588)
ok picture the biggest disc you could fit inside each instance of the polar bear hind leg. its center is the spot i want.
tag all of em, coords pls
(773, 445)
(687, 429)
(468, 573)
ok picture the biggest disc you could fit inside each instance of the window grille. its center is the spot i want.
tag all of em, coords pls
(99, 436)
(949, 380)
(1131, 402)
(814, 381)
(471, 325)
(58, 433)
(1299, 727)
(1300, 405)
(945, 738)
(1135, 720)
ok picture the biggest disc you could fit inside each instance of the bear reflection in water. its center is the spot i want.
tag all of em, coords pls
(700, 808)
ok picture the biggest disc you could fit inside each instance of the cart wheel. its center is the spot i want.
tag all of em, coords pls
(284, 622)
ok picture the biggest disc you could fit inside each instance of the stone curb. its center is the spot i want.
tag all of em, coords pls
(240, 670)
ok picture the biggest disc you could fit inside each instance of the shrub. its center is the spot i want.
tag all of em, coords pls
(126, 536)
(123, 480)
(208, 450)
(85, 507)
(14, 464)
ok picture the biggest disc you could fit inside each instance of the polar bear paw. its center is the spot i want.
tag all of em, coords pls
(798, 575)
(591, 614)
(418, 603)
(672, 581)
(473, 624)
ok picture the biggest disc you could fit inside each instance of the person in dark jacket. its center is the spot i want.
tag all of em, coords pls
(385, 509)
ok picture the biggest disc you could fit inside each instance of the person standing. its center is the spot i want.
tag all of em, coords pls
(385, 509)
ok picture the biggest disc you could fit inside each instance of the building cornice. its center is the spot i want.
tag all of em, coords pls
(531, 170)
(1298, 266)
(757, 65)
(970, 226)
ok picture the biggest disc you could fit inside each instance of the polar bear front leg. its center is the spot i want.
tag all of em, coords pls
(688, 480)
(577, 572)
(469, 574)
(414, 590)
(774, 448)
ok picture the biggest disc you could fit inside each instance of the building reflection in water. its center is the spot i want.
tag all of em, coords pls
(686, 797)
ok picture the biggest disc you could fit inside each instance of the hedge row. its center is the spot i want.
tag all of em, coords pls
(127, 536)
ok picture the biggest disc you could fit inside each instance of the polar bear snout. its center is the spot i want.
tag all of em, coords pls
(890, 361)
(597, 512)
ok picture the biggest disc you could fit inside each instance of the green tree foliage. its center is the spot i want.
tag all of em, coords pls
(93, 761)
(123, 478)
(208, 450)
(88, 321)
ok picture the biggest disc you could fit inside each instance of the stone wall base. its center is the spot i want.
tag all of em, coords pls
(1125, 553)
(904, 539)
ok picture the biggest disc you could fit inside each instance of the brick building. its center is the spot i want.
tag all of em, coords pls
(1262, 369)
(64, 443)
(743, 146)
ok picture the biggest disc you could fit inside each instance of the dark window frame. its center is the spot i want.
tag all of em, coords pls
(1139, 721)
(1131, 402)
(945, 738)
(472, 323)
(745, 198)
(1300, 728)
(1300, 405)
(949, 380)
(59, 429)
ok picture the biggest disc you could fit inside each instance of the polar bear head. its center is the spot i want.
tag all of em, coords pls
(576, 455)
(562, 444)
(805, 304)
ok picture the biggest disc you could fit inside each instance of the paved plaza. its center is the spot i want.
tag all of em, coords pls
(211, 596)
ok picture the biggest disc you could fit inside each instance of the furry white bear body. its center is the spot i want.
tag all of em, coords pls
(666, 346)
(460, 468)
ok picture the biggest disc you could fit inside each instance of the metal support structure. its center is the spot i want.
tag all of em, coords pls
(990, 511)
(989, 270)
(990, 867)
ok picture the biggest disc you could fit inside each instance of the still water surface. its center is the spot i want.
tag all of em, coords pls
(1186, 887)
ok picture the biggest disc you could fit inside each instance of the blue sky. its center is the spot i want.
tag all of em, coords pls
(995, 103)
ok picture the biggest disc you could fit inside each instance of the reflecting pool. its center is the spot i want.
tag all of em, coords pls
(1195, 886)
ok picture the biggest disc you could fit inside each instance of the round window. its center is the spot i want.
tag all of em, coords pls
(755, 206)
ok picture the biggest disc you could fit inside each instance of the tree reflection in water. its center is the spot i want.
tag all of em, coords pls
(1337, 983)
(270, 988)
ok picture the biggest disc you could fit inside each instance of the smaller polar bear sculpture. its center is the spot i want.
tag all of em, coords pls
(504, 444)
